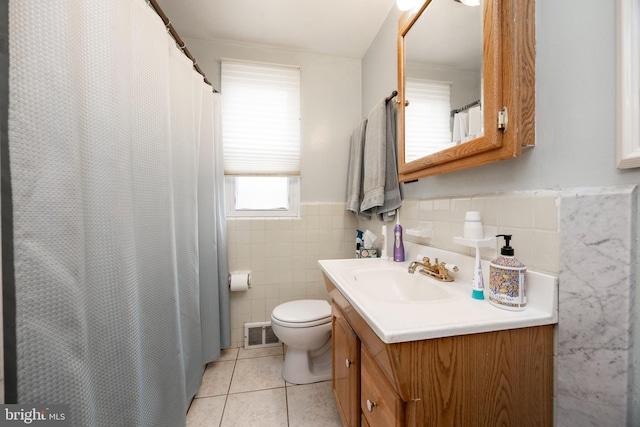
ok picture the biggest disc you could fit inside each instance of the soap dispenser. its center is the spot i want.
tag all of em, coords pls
(507, 279)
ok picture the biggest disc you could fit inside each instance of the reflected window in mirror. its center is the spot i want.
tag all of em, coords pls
(443, 46)
(427, 117)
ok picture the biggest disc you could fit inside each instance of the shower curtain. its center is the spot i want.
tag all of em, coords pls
(118, 273)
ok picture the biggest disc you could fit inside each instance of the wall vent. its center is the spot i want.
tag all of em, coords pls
(259, 334)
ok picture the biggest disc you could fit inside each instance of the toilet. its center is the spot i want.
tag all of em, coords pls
(305, 327)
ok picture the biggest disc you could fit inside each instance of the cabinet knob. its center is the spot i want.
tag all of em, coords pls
(347, 362)
(371, 405)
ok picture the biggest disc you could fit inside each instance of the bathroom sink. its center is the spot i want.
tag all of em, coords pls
(396, 285)
(402, 307)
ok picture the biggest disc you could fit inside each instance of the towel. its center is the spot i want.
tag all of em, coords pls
(354, 173)
(392, 192)
(460, 127)
(374, 160)
(475, 121)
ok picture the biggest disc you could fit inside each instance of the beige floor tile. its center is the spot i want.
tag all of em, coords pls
(216, 379)
(258, 373)
(312, 405)
(228, 354)
(206, 412)
(264, 408)
(259, 352)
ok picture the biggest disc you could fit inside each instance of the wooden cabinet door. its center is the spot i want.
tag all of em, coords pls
(346, 370)
(381, 405)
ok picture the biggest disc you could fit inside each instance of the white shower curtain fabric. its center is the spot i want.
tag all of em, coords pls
(119, 245)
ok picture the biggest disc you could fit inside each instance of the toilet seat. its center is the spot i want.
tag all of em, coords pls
(302, 313)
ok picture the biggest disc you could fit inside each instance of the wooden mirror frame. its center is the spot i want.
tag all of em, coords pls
(509, 81)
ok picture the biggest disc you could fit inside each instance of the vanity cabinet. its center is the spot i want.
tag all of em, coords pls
(499, 378)
(346, 369)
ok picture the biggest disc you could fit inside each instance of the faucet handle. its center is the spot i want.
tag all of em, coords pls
(425, 260)
(451, 267)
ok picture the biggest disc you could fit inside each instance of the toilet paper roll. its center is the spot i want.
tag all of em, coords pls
(239, 281)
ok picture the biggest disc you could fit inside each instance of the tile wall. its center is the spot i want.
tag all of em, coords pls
(282, 255)
(530, 216)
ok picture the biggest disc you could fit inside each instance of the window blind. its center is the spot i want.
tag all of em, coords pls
(260, 119)
(427, 117)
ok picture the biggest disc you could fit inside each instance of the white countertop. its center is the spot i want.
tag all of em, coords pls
(458, 315)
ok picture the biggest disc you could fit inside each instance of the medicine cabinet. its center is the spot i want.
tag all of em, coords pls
(480, 64)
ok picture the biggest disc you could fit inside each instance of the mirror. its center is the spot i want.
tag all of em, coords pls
(476, 62)
(443, 78)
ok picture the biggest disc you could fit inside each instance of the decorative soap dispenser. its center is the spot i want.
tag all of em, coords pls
(507, 279)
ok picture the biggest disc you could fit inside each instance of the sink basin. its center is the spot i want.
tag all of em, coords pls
(396, 285)
(403, 307)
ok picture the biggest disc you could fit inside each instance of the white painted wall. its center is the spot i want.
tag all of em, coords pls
(330, 104)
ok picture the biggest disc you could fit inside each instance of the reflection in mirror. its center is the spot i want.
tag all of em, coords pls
(443, 78)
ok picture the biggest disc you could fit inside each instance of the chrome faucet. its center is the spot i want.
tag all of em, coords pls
(437, 270)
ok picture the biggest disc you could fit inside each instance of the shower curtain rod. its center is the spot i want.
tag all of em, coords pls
(466, 107)
(181, 45)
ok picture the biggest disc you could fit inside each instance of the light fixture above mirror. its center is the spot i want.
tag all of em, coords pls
(406, 5)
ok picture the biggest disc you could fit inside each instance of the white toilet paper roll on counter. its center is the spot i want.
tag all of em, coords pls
(239, 281)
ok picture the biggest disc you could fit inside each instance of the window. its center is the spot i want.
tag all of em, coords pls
(427, 118)
(261, 138)
(262, 195)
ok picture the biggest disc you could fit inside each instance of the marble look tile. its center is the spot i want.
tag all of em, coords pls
(595, 299)
(265, 408)
(258, 373)
(228, 354)
(260, 352)
(216, 379)
(312, 405)
(206, 412)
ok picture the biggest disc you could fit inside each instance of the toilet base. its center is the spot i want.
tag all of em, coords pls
(303, 367)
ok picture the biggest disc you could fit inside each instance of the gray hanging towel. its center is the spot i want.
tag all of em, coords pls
(375, 163)
(354, 173)
(392, 189)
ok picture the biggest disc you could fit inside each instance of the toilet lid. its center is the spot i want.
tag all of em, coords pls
(302, 311)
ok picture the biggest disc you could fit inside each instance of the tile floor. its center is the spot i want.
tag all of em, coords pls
(245, 388)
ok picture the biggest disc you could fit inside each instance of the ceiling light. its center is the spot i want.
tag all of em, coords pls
(406, 4)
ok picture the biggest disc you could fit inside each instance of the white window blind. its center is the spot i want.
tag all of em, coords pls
(427, 117)
(260, 119)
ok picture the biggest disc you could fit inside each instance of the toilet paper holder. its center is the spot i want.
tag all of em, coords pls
(239, 280)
